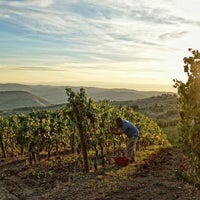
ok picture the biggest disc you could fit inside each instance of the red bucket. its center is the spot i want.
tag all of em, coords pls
(121, 161)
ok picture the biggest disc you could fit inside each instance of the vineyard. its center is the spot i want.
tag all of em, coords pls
(82, 129)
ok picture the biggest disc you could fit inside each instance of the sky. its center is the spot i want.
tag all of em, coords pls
(109, 43)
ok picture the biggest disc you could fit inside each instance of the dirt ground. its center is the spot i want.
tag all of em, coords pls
(150, 178)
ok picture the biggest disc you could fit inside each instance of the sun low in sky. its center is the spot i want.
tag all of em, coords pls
(113, 44)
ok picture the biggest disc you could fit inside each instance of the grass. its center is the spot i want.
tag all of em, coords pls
(113, 176)
(172, 134)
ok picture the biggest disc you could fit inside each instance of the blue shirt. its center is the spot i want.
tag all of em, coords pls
(129, 129)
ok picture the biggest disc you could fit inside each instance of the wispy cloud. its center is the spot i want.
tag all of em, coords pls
(23, 3)
(173, 35)
(38, 69)
(93, 23)
(35, 68)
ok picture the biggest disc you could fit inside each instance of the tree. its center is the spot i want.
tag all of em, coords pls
(189, 107)
(3, 130)
(77, 106)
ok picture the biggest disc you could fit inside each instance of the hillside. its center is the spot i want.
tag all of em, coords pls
(57, 95)
(10, 100)
(152, 177)
(162, 108)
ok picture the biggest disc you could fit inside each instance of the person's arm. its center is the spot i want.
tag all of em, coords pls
(116, 131)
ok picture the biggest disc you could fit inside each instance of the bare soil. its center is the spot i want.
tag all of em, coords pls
(152, 177)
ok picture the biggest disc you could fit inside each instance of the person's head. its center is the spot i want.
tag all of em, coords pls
(119, 121)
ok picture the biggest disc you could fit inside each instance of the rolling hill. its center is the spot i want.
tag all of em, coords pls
(157, 105)
(10, 100)
(57, 94)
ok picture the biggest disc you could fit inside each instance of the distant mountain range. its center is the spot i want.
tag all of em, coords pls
(13, 96)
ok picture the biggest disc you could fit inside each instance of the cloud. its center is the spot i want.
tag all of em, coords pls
(24, 3)
(50, 69)
(39, 69)
(89, 19)
(42, 3)
(173, 35)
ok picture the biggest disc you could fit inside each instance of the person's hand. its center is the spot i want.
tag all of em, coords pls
(113, 130)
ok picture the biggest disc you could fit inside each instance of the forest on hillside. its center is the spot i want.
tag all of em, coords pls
(162, 108)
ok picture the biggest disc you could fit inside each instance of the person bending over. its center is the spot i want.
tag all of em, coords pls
(131, 131)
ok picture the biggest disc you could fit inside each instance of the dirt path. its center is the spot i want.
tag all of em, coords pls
(155, 179)
(149, 179)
